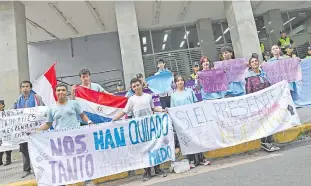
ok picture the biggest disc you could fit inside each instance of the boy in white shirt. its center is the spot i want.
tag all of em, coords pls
(141, 104)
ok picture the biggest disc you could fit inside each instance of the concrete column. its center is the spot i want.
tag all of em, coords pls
(14, 66)
(274, 24)
(129, 40)
(242, 28)
(206, 38)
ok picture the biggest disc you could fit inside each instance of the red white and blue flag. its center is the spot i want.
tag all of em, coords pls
(98, 106)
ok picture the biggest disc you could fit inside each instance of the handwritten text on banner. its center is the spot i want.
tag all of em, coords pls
(213, 80)
(285, 69)
(215, 124)
(15, 123)
(86, 153)
(235, 68)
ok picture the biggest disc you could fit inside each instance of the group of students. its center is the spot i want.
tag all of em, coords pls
(64, 112)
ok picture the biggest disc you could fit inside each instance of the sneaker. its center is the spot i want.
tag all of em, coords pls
(160, 172)
(205, 162)
(192, 164)
(275, 148)
(7, 163)
(147, 176)
(268, 147)
(27, 173)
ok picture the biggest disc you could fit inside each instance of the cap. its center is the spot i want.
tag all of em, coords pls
(282, 31)
(2, 102)
(160, 61)
(120, 84)
(196, 64)
(309, 48)
(226, 49)
(267, 53)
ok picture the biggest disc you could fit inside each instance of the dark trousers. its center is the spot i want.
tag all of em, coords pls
(157, 167)
(8, 156)
(26, 160)
(196, 158)
(165, 102)
(268, 139)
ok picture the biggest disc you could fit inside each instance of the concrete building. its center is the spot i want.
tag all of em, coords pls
(116, 40)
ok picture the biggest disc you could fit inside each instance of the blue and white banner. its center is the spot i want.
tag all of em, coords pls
(85, 153)
(215, 124)
(161, 82)
(304, 91)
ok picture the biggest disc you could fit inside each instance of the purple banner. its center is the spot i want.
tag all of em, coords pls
(285, 69)
(156, 98)
(214, 80)
(235, 68)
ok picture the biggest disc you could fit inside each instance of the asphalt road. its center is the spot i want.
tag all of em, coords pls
(287, 168)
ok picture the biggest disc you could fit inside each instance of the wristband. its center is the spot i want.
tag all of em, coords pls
(89, 122)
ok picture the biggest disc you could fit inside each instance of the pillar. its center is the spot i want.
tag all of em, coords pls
(242, 26)
(129, 40)
(206, 38)
(14, 66)
(274, 24)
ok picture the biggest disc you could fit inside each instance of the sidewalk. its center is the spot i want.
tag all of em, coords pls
(11, 175)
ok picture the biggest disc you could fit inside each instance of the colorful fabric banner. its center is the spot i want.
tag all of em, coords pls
(98, 106)
(235, 68)
(215, 124)
(86, 153)
(304, 92)
(161, 82)
(285, 69)
(15, 123)
(213, 80)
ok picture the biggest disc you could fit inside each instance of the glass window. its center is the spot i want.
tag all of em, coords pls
(218, 36)
(260, 25)
(226, 31)
(286, 23)
(169, 39)
(299, 21)
(145, 42)
(193, 36)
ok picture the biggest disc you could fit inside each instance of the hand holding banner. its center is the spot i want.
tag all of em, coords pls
(285, 69)
(235, 68)
(213, 80)
(161, 82)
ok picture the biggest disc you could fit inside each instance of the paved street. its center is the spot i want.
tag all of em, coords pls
(288, 167)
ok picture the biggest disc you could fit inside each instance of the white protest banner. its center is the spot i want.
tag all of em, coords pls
(85, 153)
(16, 122)
(215, 124)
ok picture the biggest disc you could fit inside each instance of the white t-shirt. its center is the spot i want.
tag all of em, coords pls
(139, 106)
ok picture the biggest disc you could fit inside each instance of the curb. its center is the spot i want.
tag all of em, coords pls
(286, 136)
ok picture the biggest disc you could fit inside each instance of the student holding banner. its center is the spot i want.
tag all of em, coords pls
(165, 97)
(235, 88)
(9, 152)
(27, 99)
(206, 95)
(256, 80)
(141, 104)
(64, 113)
(181, 97)
(276, 51)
